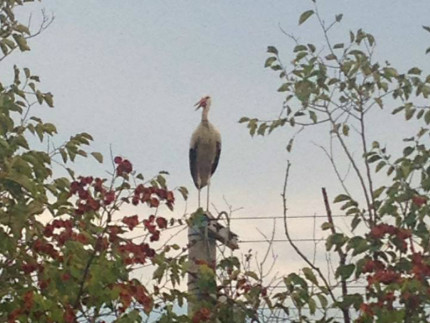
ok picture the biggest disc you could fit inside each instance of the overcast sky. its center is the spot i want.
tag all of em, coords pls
(129, 72)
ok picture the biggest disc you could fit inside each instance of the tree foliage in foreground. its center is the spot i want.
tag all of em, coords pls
(341, 88)
(65, 254)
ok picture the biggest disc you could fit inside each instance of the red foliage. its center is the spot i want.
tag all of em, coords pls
(109, 197)
(135, 253)
(69, 315)
(28, 268)
(373, 265)
(123, 166)
(202, 315)
(131, 290)
(161, 222)
(13, 316)
(385, 276)
(131, 221)
(82, 238)
(420, 269)
(367, 309)
(28, 300)
(399, 235)
(419, 200)
(154, 202)
(151, 227)
(44, 283)
(113, 231)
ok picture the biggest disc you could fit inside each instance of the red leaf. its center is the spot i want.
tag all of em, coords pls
(161, 222)
(131, 221)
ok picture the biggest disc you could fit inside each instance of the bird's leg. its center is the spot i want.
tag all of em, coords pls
(207, 201)
(199, 195)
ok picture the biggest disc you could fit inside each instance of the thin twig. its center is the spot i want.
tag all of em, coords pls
(291, 242)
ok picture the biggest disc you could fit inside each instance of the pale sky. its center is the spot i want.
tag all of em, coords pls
(129, 72)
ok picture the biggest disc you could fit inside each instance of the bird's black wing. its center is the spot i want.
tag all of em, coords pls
(193, 166)
(216, 160)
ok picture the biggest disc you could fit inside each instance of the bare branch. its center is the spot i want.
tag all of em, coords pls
(291, 242)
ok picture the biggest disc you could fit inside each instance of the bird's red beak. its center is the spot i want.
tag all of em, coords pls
(201, 103)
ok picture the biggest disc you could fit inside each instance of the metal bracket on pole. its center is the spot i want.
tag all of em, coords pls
(221, 233)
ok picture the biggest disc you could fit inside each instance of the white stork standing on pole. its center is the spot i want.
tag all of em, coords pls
(205, 149)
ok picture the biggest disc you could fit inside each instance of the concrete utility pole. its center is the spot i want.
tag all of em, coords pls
(202, 238)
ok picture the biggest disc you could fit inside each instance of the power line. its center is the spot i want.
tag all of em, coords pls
(288, 217)
(282, 240)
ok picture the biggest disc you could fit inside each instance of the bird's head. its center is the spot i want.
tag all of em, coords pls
(204, 102)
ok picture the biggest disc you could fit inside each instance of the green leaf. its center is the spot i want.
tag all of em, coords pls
(284, 87)
(378, 192)
(398, 109)
(390, 72)
(326, 226)
(427, 117)
(323, 300)
(345, 129)
(345, 271)
(49, 128)
(341, 198)
(272, 49)
(269, 61)
(373, 158)
(309, 274)
(243, 119)
(313, 116)
(295, 279)
(21, 42)
(252, 125)
(330, 57)
(299, 48)
(262, 129)
(408, 150)
(336, 239)
(63, 154)
(301, 55)
(312, 306)
(426, 28)
(48, 97)
(184, 192)
(409, 113)
(98, 156)
(379, 102)
(162, 181)
(337, 46)
(380, 165)
(370, 39)
(351, 36)
(415, 71)
(305, 16)
(290, 144)
(338, 17)
(311, 48)
(22, 29)
(358, 245)
(251, 274)
(355, 221)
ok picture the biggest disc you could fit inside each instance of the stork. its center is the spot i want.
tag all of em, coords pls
(205, 149)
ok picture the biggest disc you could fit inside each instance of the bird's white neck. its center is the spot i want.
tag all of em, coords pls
(205, 113)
